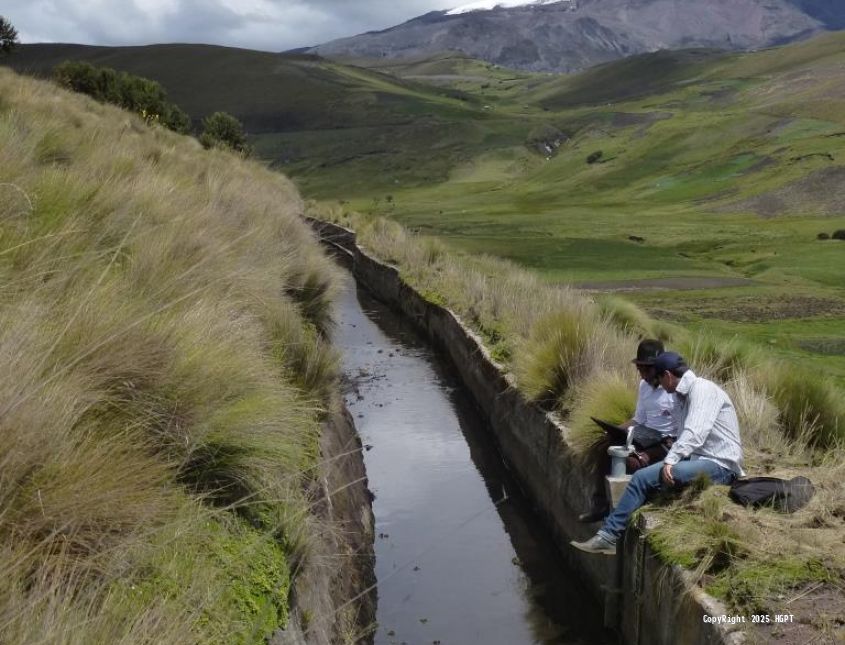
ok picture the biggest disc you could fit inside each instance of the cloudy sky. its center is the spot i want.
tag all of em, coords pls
(271, 25)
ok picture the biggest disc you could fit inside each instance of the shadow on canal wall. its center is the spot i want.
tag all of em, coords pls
(646, 600)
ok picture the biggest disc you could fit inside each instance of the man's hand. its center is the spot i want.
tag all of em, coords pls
(667, 474)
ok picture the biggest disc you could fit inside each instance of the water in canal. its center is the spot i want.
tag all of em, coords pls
(460, 556)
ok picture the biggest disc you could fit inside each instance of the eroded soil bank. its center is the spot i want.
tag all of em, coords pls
(460, 555)
(333, 597)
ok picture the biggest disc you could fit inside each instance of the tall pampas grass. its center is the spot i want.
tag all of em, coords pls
(163, 369)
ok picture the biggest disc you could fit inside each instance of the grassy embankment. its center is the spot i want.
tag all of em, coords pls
(162, 380)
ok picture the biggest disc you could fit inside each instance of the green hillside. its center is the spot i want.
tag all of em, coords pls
(715, 178)
(267, 92)
(303, 113)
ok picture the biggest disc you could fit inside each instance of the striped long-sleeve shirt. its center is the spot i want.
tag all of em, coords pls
(708, 422)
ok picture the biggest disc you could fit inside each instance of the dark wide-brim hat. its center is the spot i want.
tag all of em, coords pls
(647, 351)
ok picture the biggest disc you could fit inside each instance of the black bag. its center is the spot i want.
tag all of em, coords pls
(783, 495)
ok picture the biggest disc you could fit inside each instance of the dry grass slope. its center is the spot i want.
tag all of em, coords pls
(161, 375)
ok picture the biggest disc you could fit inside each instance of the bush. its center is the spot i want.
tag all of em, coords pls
(839, 234)
(594, 157)
(8, 36)
(221, 130)
(822, 236)
(140, 95)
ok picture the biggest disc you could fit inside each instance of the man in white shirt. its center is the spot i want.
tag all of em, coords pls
(708, 444)
(654, 425)
(653, 428)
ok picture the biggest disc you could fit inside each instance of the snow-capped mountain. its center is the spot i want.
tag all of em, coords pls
(567, 35)
(488, 5)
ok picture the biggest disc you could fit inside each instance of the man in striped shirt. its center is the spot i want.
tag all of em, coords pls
(708, 444)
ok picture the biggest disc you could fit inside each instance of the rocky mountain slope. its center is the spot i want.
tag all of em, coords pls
(575, 34)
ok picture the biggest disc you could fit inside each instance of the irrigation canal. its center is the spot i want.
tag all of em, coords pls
(461, 558)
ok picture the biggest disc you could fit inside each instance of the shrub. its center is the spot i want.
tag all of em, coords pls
(143, 96)
(822, 236)
(177, 119)
(594, 157)
(8, 36)
(839, 234)
(221, 130)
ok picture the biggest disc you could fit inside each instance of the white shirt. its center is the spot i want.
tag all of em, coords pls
(654, 410)
(709, 426)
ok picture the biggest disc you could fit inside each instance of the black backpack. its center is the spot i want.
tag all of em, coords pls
(783, 495)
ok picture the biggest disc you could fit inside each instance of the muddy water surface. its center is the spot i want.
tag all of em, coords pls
(460, 556)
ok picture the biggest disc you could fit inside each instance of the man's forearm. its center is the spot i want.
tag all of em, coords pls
(685, 445)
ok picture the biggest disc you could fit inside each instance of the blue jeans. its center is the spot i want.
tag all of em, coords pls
(647, 480)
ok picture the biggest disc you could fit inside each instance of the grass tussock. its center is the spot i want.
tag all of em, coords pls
(162, 371)
(758, 416)
(631, 319)
(556, 354)
(719, 358)
(811, 409)
(611, 396)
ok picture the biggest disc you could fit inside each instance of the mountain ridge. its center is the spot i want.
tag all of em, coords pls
(570, 36)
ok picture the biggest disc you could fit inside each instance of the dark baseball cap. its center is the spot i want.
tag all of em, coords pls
(668, 361)
(647, 351)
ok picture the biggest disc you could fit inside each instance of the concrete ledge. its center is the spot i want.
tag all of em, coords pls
(615, 488)
(659, 604)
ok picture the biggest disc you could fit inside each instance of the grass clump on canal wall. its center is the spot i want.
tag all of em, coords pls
(567, 352)
(163, 372)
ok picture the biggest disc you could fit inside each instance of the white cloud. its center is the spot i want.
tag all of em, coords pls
(271, 25)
